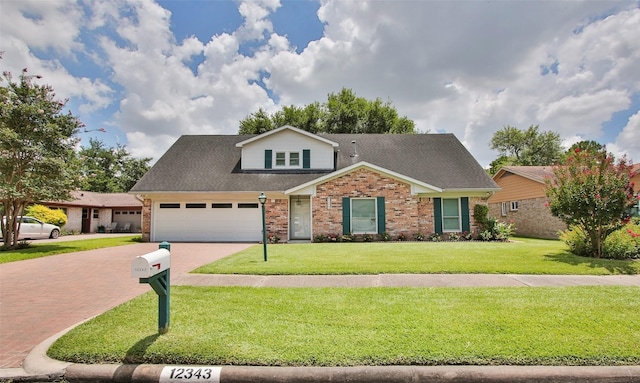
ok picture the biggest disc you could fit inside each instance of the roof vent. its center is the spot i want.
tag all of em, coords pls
(355, 149)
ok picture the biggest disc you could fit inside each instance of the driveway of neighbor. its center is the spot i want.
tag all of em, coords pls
(41, 297)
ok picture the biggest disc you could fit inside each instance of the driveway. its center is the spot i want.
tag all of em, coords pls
(41, 297)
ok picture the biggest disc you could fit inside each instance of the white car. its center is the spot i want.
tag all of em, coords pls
(31, 228)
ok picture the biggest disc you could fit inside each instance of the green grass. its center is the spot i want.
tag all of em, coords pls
(53, 248)
(522, 256)
(595, 325)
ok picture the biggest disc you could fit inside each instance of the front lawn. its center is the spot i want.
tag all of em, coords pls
(595, 325)
(37, 250)
(521, 256)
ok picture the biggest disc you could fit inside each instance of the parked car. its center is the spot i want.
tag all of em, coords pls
(32, 228)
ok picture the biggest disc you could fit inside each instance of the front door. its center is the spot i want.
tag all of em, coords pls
(300, 218)
(86, 220)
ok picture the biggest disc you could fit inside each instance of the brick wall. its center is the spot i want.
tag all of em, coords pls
(532, 219)
(146, 220)
(277, 218)
(403, 212)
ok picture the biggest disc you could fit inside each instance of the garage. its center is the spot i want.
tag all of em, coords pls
(234, 221)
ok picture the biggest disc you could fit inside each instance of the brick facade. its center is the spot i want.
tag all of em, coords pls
(532, 219)
(146, 220)
(277, 219)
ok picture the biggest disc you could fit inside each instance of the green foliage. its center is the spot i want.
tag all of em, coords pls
(37, 156)
(109, 170)
(591, 194)
(623, 243)
(577, 241)
(495, 230)
(526, 147)
(342, 113)
(481, 214)
(47, 215)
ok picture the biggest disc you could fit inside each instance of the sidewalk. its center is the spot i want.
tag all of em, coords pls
(38, 367)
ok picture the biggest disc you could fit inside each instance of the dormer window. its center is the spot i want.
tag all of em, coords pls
(288, 159)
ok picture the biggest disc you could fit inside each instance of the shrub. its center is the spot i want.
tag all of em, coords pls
(274, 239)
(402, 237)
(367, 237)
(453, 236)
(481, 215)
(347, 237)
(435, 237)
(418, 237)
(320, 238)
(623, 243)
(44, 214)
(577, 241)
(385, 236)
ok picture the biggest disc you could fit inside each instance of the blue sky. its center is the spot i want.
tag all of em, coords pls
(150, 71)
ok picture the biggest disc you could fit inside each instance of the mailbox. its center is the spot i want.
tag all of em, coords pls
(148, 265)
(154, 268)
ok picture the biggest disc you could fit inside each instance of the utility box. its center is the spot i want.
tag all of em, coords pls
(150, 264)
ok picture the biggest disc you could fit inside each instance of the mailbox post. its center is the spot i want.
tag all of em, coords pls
(154, 268)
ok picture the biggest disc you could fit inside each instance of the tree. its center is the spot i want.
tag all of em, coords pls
(109, 170)
(343, 112)
(591, 193)
(37, 157)
(527, 147)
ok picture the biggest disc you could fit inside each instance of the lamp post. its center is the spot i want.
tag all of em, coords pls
(263, 198)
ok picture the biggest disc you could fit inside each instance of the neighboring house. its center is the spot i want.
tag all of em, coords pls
(523, 201)
(205, 188)
(88, 210)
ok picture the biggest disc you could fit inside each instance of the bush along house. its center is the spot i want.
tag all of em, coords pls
(205, 187)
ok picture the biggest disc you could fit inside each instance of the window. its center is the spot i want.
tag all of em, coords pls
(363, 216)
(95, 213)
(221, 205)
(288, 159)
(514, 206)
(294, 159)
(194, 206)
(451, 214)
(169, 206)
(504, 209)
(247, 206)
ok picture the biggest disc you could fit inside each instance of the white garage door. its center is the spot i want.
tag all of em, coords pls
(207, 222)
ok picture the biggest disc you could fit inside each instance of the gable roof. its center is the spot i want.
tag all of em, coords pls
(534, 173)
(211, 163)
(286, 127)
(93, 199)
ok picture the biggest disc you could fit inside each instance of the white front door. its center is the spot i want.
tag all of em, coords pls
(300, 218)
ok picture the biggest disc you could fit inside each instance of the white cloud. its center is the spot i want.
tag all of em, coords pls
(469, 68)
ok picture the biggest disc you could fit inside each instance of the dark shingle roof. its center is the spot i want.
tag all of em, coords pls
(212, 163)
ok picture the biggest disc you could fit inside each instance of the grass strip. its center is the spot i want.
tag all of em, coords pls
(53, 248)
(594, 325)
(522, 256)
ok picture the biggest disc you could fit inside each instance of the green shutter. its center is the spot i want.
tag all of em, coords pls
(437, 214)
(464, 211)
(268, 157)
(306, 159)
(381, 215)
(346, 215)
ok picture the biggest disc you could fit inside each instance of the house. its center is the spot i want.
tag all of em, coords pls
(523, 201)
(635, 179)
(206, 187)
(88, 210)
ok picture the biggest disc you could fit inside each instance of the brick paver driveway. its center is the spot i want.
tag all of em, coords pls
(41, 297)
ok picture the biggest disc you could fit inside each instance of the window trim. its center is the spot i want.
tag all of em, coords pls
(514, 205)
(375, 215)
(459, 216)
(287, 159)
